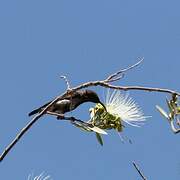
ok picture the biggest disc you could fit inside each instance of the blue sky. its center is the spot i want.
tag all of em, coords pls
(86, 40)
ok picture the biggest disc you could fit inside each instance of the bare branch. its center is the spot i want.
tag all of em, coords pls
(139, 171)
(78, 123)
(125, 88)
(26, 128)
(68, 118)
(115, 75)
(19, 135)
(115, 78)
(103, 83)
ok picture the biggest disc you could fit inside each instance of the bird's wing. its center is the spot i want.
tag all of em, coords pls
(76, 94)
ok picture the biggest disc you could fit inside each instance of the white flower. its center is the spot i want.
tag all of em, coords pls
(40, 177)
(125, 107)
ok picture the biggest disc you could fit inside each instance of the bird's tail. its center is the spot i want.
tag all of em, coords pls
(34, 112)
(38, 109)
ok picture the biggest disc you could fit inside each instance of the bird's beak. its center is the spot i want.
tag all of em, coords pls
(103, 106)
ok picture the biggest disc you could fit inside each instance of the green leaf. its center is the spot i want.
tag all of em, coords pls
(163, 113)
(99, 138)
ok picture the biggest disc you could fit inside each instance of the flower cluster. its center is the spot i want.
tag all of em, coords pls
(120, 108)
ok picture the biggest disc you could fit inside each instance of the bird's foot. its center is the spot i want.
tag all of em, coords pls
(60, 117)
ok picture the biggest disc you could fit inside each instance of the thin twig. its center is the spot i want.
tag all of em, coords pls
(68, 118)
(115, 78)
(114, 75)
(103, 83)
(67, 82)
(26, 128)
(139, 171)
(78, 123)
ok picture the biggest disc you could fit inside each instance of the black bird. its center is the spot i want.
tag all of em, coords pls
(71, 101)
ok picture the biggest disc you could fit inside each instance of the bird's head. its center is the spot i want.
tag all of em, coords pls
(92, 96)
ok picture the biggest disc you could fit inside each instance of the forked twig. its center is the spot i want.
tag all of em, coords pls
(103, 83)
(119, 74)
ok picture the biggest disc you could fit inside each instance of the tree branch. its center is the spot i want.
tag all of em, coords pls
(103, 83)
(114, 76)
(68, 118)
(125, 88)
(26, 128)
(139, 171)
